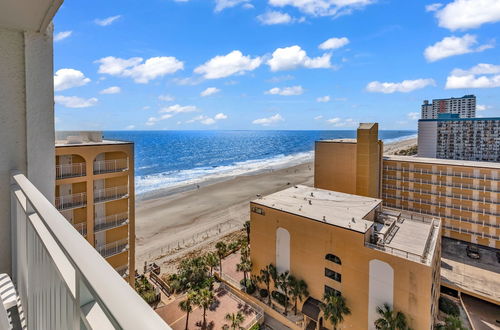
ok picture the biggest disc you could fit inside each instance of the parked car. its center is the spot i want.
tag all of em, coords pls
(473, 252)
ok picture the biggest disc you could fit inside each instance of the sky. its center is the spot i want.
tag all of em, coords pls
(270, 64)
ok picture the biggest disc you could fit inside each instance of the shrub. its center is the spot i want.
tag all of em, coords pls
(255, 327)
(263, 293)
(279, 297)
(449, 307)
(251, 289)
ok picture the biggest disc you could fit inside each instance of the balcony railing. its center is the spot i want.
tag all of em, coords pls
(122, 270)
(110, 166)
(81, 228)
(73, 201)
(110, 221)
(61, 280)
(70, 170)
(109, 194)
(113, 248)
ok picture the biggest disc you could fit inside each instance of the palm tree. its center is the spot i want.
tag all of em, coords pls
(284, 285)
(236, 319)
(205, 298)
(246, 225)
(187, 305)
(274, 274)
(334, 308)
(453, 323)
(298, 291)
(221, 252)
(265, 277)
(211, 260)
(390, 319)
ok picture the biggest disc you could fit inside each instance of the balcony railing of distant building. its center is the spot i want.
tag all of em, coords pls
(442, 184)
(110, 166)
(441, 173)
(64, 171)
(113, 248)
(109, 194)
(61, 280)
(110, 221)
(122, 270)
(81, 227)
(73, 201)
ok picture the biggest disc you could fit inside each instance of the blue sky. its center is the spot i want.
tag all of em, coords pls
(273, 64)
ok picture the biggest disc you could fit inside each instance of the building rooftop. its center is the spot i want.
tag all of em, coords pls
(438, 161)
(445, 118)
(353, 140)
(83, 138)
(331, 207)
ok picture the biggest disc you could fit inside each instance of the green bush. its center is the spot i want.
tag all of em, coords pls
(263, 293)
(255, 327)
(251, 289)
(449, 307)
(279, 297)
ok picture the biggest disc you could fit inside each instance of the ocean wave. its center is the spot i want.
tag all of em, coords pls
(172, 179)
(401, 138)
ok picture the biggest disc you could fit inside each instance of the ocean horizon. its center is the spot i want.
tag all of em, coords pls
(170, 159)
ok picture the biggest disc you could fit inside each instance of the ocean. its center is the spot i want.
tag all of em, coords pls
(169, 159)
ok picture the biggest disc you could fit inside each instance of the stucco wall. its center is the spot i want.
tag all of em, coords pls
(335, 166)
(26, 120)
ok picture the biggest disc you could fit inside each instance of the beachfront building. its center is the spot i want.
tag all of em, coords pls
(464, 107)
(50, 277)
(350, 245)
(450, 137)
(95, 193)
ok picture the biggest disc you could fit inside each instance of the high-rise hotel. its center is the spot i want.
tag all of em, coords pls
(464, 106)
(95, 193)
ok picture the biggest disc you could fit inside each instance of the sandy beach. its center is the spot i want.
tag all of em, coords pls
(171, 223)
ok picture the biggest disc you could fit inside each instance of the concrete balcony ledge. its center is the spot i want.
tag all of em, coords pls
(110, 194)
(110, 166)
(73, 201)
(110, 221)
(61, 280)
(113, 248)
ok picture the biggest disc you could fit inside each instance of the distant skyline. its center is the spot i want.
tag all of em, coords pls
(273, 64)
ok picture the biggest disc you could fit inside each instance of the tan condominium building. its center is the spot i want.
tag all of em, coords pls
(95, 192)
(465, 194)
(350, 245)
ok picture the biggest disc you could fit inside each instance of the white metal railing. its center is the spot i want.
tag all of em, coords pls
(67, 202)
(62, 281)
(110, 221)
(113, 248)
(81, 227)
(109, 166)
(70, 170)
(122, 270)
(107, 194)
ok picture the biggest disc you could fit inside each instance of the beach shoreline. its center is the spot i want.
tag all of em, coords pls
(174, 221)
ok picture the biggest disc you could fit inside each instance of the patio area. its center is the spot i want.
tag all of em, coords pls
(226, 302)
(229, 272)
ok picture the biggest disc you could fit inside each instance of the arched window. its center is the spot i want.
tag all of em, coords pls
(333, 258)
(282, 250)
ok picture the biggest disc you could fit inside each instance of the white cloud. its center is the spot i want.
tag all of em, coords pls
(323, 99)
(177, 108)
(334, 43)
(451, 46)
(166, 98)
(146, 107)
(341, 99)
(209, 91)
(413, 115)
(482, 107)
(275, 17)
(293, 57)
(403, 87)
(130, 127)
(220, 5)
(111, 90)
(433, 7)
(269, 120)
(468, 14)
(278, 79)
(107, 21)
(135, 68)
(220, 116)
(62, 35)
(75, 101)
(69, 78)
(334, 8)
(286, 91)
(482, 75)
(153, 120)
(318, 117)
(339, 122)
(222, 66)
(334, 120)
(205, 120)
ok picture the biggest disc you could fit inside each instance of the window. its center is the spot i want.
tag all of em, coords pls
(258, 210)
(330, 290)
(333, 258)
(333, 275)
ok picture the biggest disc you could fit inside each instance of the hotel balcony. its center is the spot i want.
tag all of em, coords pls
(70, 170)
(110, 194)
(110, 166)
(113, 248)
(110, 221)
(61, 281)
(73, 201)
(81, 228)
